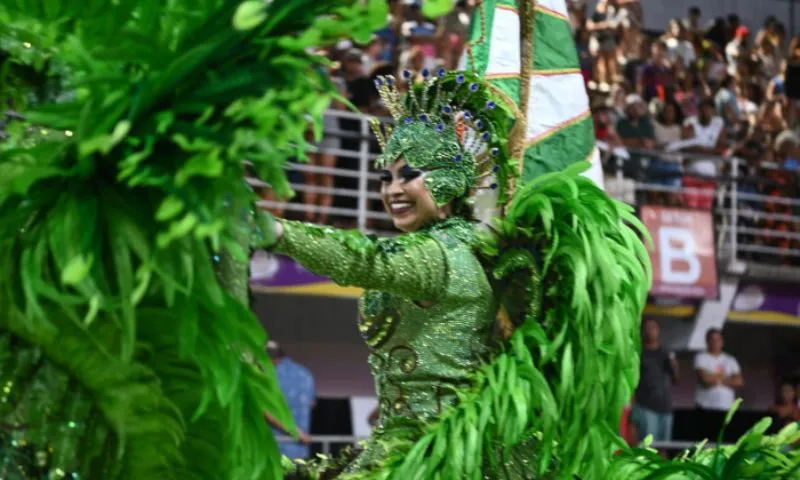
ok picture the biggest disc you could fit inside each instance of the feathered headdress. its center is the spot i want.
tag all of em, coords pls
(453, 126)
(518, 110)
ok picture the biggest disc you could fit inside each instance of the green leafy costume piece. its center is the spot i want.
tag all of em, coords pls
(127, 349)
(755, 456)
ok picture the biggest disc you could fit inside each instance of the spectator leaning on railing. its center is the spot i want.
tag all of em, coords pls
(636, 129)
(703, 134)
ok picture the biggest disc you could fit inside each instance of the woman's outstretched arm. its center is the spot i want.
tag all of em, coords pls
(412, 265)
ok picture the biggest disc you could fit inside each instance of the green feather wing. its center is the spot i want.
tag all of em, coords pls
(548, 405)
(128, 348)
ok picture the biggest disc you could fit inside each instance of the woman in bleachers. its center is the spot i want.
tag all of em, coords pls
(666, 170)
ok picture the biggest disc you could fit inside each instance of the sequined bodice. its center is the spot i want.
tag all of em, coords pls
(419, 352)
(428, 312)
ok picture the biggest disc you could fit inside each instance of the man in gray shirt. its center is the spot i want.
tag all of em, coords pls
(652, 410)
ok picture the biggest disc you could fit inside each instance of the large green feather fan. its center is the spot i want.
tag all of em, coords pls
(126, 346)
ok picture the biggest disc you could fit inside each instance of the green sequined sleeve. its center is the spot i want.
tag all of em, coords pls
(412, 265)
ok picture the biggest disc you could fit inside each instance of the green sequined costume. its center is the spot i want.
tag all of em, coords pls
(419, 355)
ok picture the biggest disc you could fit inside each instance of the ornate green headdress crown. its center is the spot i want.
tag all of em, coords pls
(451, 125)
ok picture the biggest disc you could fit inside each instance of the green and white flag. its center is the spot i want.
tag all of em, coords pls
(559, 129)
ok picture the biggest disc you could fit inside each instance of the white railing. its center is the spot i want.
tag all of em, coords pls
(326, 441)
(740, 213)
(745, 229)
(352, 163)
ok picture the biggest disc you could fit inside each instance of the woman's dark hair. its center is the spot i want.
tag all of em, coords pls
(464, 207)
(661, 117)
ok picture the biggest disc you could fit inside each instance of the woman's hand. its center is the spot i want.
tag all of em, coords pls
(267, 231)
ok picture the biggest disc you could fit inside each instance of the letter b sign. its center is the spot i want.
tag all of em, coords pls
(682, 254)
(678, 260)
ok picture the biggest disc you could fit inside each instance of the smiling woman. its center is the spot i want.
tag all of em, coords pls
(407, 199)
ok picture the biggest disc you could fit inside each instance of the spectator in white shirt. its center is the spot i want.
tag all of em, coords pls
(669, 123)
(679, 47)
(703, 134)
(718, 375)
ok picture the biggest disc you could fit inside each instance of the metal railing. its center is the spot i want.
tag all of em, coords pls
(750, 225)
(327, 442)
(351, 163)
(746, 227)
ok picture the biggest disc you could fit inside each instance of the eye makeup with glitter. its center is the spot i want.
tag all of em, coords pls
(406, 174)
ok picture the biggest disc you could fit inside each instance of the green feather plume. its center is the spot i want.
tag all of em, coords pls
(755, 456)
(127, 348)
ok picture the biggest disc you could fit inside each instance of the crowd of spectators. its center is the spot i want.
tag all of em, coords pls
(674, 107)
(701, 92)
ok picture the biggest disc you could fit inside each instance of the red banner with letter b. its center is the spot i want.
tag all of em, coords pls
(683, 253)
